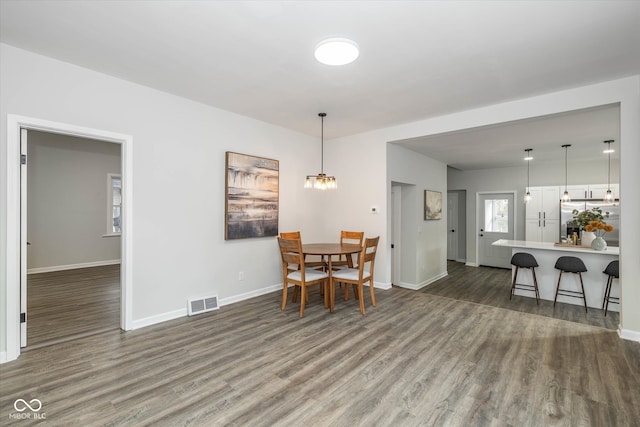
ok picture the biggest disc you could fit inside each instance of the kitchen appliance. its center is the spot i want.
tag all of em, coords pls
(612, 208)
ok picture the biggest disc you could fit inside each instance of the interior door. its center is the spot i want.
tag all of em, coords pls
(452, 226)
(495, 221)
(23, 237)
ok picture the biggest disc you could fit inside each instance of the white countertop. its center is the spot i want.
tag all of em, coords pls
(611, 250)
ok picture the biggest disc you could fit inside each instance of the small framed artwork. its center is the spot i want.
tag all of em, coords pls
(251, 197)
(432, 205)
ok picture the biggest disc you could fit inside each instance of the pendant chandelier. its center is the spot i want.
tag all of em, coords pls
(565, 196)
(608, 196)
(321, 181)
(528, 158)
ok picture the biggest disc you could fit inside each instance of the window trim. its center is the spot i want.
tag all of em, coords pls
(110, 233)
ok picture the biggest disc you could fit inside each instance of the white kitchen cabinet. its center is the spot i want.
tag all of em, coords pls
(598, 191)
(591, 191)
(542, 222)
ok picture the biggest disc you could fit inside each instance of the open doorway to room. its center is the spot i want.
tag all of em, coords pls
(14, 305)
(74, 213)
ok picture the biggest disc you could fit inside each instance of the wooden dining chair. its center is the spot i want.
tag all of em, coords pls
(320, 265)
(291, 254)
(346, 261)
(357, 276)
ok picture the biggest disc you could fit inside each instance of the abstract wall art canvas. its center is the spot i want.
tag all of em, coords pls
(251, 197)
(432, 205)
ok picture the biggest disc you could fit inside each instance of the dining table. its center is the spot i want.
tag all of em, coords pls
(330, 250)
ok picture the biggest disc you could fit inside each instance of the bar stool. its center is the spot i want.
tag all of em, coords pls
(613, 271)
(524, 260)
(570, 264)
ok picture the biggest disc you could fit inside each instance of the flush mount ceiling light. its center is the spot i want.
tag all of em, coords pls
(337, 51)
(608, 196)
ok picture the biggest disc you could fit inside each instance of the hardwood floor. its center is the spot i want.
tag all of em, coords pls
(417, 359)
(63, 305)
(490, 286)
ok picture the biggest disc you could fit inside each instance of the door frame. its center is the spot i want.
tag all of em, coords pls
(15, 215)
(515, 217)
(453, 195)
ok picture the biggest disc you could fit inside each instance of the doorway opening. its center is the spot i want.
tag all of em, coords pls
(74, 208)
(15, 303)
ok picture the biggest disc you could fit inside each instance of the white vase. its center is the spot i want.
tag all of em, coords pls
(587, 238)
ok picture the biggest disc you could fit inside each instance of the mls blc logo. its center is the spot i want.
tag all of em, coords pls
(34, 406)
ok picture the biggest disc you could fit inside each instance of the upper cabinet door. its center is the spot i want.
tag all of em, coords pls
(598, 191)
(533, 209)
(551, 202)
(578, 191)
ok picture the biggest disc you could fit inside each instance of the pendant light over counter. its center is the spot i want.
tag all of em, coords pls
(608, 196)
(321, 181)
(565, 196)
(528, 158)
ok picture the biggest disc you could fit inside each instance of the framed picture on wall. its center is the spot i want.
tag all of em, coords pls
(432, 205)
(251, 196)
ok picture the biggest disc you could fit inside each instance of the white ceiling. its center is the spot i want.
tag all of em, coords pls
(418, 59)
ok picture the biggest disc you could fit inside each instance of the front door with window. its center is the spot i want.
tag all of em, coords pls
(495, 221)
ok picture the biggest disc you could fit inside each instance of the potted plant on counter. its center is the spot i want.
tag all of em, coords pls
(584, 218)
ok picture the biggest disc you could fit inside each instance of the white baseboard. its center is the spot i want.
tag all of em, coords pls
(252, 294)
(427, 282)
(461, 260)
(72, 266)
(3, 357)
(628, 334)
(163, 317)
(159, 318)
(471, 264)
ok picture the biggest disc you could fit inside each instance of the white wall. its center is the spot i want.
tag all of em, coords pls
(67, 200)
(178, 149)
(424, 243)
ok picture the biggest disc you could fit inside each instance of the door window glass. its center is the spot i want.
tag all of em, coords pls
(496, 215)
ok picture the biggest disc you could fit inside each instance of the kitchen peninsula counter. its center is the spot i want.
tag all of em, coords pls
(547, 254)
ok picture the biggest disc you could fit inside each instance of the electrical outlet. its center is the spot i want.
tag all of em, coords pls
(241, 275)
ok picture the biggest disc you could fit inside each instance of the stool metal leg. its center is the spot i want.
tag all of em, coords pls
(535, 285)
(606, 307)
(513, 283)
(557, 289)
(606, 290)
(584, 296)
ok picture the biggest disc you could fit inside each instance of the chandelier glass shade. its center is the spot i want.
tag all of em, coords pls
(608, 196)
(528, 158)
(566, 197)
(321, 181)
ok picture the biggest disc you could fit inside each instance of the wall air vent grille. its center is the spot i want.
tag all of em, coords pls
(202, 305)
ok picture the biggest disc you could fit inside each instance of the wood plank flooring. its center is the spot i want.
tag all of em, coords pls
(417, 359)
(490, 286)
(66, 304)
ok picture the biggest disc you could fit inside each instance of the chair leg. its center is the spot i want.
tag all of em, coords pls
(332, 294)
(373, 296)
(535, 285)
(294, 297)
(557, 289)
(285, 288)
(346, 291)
(361, 298)
(584, 296)
(513, 282)
(303, 295)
